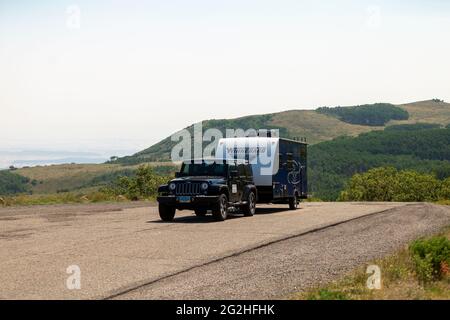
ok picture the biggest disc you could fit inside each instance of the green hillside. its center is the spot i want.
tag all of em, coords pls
(332, 163)
(318, 125)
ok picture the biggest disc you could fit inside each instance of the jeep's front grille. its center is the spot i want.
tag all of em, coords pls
(188, 188)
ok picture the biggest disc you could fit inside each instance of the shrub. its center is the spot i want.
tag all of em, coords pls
(429, 256)
(13, 183)
(412, 186)
(144, 184)
(389, 184)
(444, 192)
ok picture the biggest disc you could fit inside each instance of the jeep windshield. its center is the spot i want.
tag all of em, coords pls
(204, 169)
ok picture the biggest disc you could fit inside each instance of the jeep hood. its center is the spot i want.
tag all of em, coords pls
(209, 179)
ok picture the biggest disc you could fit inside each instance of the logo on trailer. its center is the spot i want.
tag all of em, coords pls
(294, 175)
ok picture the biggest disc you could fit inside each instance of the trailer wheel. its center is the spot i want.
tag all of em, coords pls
(200, 212)
(250, 207)
(166, 212)
(293, 202)
(220, 212)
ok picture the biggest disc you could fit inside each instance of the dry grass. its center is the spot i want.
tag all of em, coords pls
(427, 112)
(316, 127)
(319, 127)
(399, 282)
(51, 179)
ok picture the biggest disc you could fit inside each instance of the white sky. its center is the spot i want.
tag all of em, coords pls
(135, 72)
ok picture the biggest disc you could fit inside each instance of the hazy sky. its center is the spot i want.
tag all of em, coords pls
(82, 75)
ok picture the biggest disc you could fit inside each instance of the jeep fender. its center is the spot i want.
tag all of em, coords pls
(247, 189)
(163, 188)
(224, 189)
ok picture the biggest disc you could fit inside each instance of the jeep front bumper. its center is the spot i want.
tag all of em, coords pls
(195, 202)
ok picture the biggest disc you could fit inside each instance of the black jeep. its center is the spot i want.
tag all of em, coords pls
(217, 185)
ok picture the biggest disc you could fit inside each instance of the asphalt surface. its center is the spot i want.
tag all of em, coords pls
(124, 252)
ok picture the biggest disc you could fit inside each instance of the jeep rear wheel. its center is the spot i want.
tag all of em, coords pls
(250, 207)
(221, 211)
(166, 212)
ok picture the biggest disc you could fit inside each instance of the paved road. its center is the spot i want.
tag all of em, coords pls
(124, 251)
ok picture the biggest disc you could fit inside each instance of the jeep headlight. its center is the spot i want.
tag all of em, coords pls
(204, 186)
(172, 186)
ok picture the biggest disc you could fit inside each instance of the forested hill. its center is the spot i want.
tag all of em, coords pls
(319, 125)
(416, 147)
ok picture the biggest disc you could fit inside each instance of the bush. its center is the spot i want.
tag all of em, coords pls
(13, 183)
(430, 256)
(444, 192)
(143, 185)
(389, 184)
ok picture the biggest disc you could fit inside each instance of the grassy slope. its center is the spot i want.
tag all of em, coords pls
(316, 127)
(427, 111)
(70, 176)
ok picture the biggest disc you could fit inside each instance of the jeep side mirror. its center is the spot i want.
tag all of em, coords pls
(177, 174)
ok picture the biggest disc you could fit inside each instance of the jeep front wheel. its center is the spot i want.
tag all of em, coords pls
(166, 212)
(250, 207)
(221, 211)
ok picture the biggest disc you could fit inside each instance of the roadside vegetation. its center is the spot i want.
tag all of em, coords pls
(389, 184)
(129, 184)
(143, 185)
(419, 271)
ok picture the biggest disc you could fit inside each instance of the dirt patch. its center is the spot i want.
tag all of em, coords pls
(15, 234)
(8, 218)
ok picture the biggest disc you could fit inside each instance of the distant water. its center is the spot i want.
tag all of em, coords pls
(21, 159)
(46, 162)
